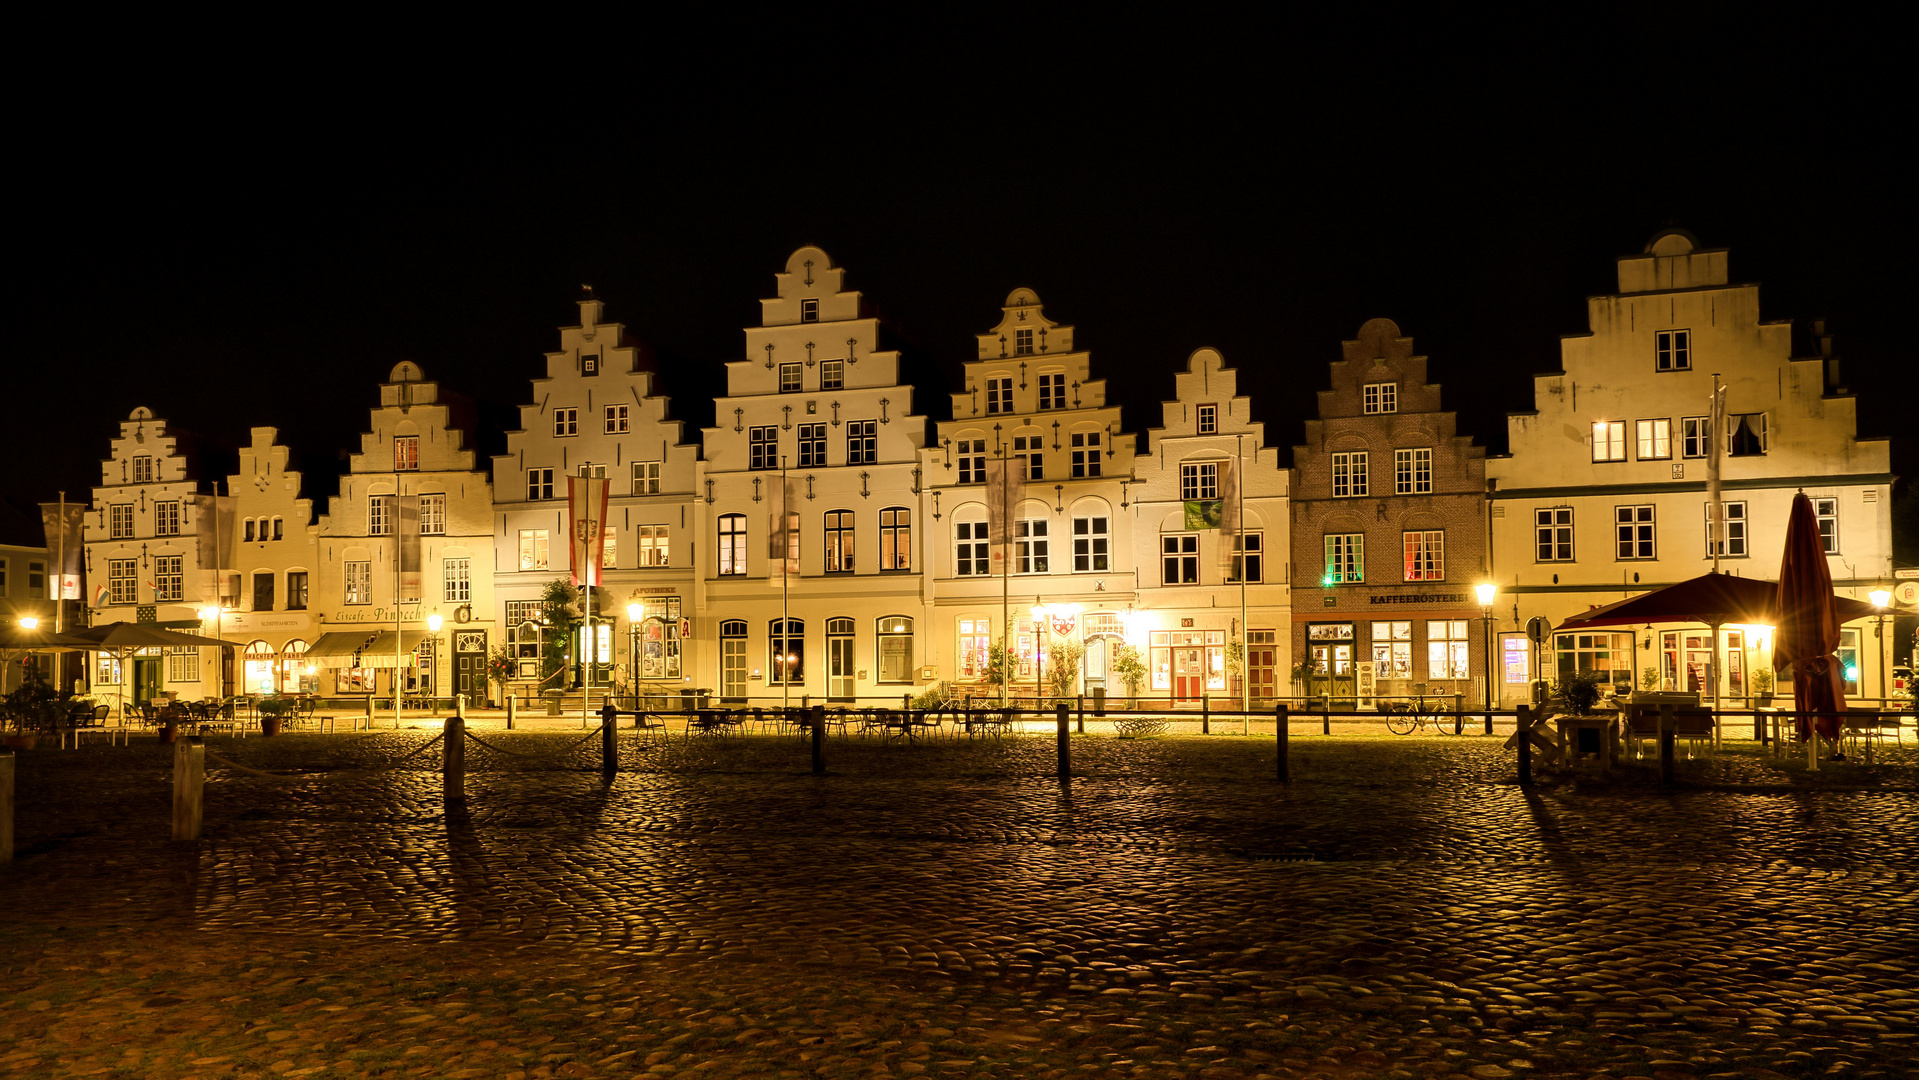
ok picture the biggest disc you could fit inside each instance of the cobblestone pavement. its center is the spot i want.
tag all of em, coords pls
(949, 908)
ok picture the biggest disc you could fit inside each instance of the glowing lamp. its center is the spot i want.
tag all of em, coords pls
(1852, 672)
(434, 622)
(29, 622)
(209, 612)
(1880, 597)
(633, 612)
(1486, 592)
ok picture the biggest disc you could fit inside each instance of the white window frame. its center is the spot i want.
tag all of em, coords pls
(999, 395)
(653, 546)
(1423, 554)
(169, 578)
(1553, 528)
(432, 516)
(1345, 559)
(1249, 550)
(731, 548)
(1032, 546)
(618, 422)
(1672, 350)
(832, 375)
(1179, 558)
(406, 453)
(1350, 479)
(356, 578)
(1826, 512)
(1052, 390)
(1639, 529)
(566, 423)
(1086, 447)
(1092, 544)
(123, 581)
(539, 484)
(1377, 399)
(792, 376)
(536, 549)
(119, 521)
(1695, 436)
(646, 478)
(1198, 481)
(1654, 438)
(1206, 419)
(456, 579)
(972, 461)
(1732, 545)
(1609, 440)
(1413, 471)
(972, 552)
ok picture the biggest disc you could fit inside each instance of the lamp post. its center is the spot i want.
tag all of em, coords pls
(1488, 592)
(217, 613)
(633, 612)
(28, 622)
(1881, 599)
(433, 624)
(1039, 654)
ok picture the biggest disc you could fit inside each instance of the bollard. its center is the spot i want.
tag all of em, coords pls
(1812, 744)
(1283, 725)
(1065, 744)
(189, 787)
(609, 740)
(1489, 722)
(818, 724)
(1205, 714)
(6, 807)
(512, 709)
(1459, 718)
(369, 712)
(453, 760)
(1325, 716)
(1759, 727)
(1665, 745)
(1081, 726)
(1524, 722)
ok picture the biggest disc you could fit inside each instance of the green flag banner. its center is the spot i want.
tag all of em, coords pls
(1204, 513)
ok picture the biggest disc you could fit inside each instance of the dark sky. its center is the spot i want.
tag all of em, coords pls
(239, 247)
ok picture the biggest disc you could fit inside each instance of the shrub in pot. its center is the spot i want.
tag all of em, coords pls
(273, 710)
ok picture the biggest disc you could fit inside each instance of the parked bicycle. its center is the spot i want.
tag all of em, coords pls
(1406, 717)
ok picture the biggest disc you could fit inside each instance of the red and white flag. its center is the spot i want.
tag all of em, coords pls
(586, 536)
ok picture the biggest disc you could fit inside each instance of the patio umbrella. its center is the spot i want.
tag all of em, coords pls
(1808, 626)
(118, 637)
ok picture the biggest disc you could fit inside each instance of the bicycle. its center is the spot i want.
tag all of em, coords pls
(1407, 717)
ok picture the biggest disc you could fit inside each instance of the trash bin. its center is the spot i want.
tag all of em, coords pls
(552, 703)
(1099, 701)
(1541, 691)
(693, 698)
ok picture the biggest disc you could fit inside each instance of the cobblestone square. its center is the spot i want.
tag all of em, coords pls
(949, 908)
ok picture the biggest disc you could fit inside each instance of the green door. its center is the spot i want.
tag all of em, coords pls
(146, 678)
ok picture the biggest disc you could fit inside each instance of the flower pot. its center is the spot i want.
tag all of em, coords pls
(20, 741)
(169, 732)
(270, 725)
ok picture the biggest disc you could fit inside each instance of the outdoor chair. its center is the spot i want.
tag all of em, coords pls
(1869, 730)
(1690, 726)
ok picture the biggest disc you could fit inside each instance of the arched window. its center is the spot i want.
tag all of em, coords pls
(260, 663)
(786, 652)
(732, 545)
(896, 538)
(295, 673)
(894, 634)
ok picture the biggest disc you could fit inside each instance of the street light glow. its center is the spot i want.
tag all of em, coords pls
(434, 622)
(1487, 592)
(28, 622)
(633, 612)
(1880, 597)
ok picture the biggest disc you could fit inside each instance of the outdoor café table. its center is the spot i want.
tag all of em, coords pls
(710, 721)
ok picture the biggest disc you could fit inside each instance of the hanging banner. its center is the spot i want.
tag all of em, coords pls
(782, 531)
(65, 536)
(1005, 488)
(1229, 524)
(213, 540)
(586, 533)
(409, 534)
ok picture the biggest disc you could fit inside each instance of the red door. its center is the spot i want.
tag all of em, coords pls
(1189, 674)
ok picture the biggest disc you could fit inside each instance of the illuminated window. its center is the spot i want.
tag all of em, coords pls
(896, 538)
(1345, 558)
(1425, 552)
(975, 638)
(894, 635)
(456, 580)
(653, 545)
(296, 590)
(406, 453)
(1447, 649)
(1655, 439)
(533, 549)
(1672, 350)
(786, 652)
(1609, 440)
(359, 581)
(1379, 397)
(732, 544)
(1393, 649)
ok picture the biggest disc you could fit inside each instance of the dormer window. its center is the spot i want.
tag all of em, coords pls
(1380, 397)
(142, 469)
(1023, 341)
(589, 363)
(1208, 419)
(406, 453)
(809, 310)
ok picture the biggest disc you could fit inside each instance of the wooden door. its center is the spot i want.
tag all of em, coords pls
(1261, 667)
(839, 669)
(469, 665)
(1189, 674)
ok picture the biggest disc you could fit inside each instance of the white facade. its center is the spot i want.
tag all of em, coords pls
(595, 413)
(1603, 492)
(1191, 605)
(272, 549)
(1030, 397)
(414, 450)
(817, 400)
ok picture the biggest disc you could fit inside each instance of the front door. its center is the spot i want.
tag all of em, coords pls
(1095, 664)
(146, 678)
(1698, 663)
(733, 668)
(469, 665)
(839, 669)
(1262, 667)
(1189, 674)
(1735, 663)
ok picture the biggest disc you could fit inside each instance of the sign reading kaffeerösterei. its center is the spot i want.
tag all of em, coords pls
(1421, 598)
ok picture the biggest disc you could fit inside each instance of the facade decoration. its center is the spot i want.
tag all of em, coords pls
(1603, 493)
(1388, 533)
(402, 589)
(1055, 596)
(1210, 547)
(595, 412)
(812, 564)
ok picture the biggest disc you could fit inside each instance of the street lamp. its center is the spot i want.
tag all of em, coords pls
(1488, 592)
(28, 622)
(633, 612)
(1039, 654)
(433, 624)
(1881, 599)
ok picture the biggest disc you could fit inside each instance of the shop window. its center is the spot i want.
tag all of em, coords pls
(975, 638)
(895, 636)
(786, 652)
(1447, 649)
(1392, 649)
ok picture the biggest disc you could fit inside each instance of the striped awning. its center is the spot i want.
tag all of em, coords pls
(336, 649)
(379, 652)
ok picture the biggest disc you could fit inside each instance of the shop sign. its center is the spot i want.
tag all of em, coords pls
(408, 610)
(1420, 598)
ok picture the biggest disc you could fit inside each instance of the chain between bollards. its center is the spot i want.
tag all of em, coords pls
(1283, 724)
(453, 759)
(1065, 742)
(817, 721)
(189, 787)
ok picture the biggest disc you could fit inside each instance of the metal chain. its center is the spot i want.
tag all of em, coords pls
(296, 778)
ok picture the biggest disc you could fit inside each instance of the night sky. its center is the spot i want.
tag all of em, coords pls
(263, 258)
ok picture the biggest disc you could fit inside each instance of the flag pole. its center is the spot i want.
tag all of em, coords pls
(590, 646)
(399, 625)
(1245, 560)
(1005, 571)
(786, 587)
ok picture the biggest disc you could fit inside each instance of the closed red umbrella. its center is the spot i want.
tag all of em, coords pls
(1807, 633)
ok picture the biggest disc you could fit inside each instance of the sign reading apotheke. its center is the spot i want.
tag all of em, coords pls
(1420, 598)
(410, 610)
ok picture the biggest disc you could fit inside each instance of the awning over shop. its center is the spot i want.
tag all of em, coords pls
(379, 653)
(336, 649)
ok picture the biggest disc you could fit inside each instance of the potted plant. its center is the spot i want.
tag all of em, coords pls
(1649, 678)
(1579, 691)
(273, 710)
(31, 711)
(1762, 683)
(1131, 668)
(501, 668)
